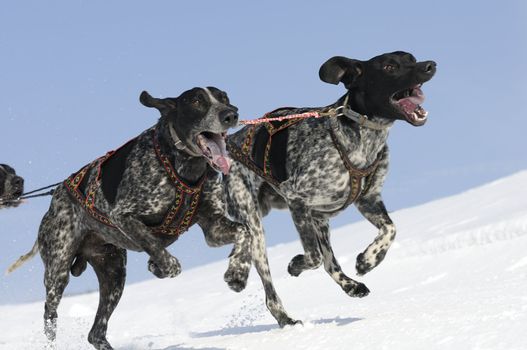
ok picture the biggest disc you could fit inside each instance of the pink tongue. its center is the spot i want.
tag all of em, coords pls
(407, 105)
(219, 157)
(410, 103)
(222, 163)
(417, 96)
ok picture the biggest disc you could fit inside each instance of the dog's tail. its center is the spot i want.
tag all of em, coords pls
(23, 258)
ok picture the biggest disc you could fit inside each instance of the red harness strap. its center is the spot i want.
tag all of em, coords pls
(177, 219)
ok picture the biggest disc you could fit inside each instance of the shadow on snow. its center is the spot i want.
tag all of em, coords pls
(264, 328)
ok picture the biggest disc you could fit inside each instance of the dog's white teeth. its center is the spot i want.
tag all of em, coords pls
(421, 112)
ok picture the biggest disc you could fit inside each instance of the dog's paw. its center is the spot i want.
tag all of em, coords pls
(236, 278)
(99, 341)
(301, 263)
(297, 265)
(152, 267)
(362, 265)
(238, 271)
(358, 290)
(170, 269)
(367, 262)
(288, 321)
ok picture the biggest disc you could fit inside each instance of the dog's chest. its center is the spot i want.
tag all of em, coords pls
(318, 174)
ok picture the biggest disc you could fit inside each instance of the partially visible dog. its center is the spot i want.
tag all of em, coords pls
(142, 197)
(316, 167)
(11, 187)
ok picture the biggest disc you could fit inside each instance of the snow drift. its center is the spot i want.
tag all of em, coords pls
(455, 278)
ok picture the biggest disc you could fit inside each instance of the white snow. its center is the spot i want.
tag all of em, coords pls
(455, 279)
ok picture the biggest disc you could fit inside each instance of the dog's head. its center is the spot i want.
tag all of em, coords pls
(11, 187)
(387, 86)
(200, 118)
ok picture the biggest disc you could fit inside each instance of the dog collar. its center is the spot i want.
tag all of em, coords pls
(360, 119)
(178, 143)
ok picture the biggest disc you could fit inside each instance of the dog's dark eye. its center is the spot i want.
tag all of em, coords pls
(196, 102)
(389, 68)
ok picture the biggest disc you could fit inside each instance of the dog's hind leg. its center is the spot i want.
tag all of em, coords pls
(109, 263)
(273, 302)
(58, 242)
(242, 199)
(55, 281)
(331, 265)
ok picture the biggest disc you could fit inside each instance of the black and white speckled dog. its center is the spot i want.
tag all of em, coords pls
(11, 187)
(317, 167)
(142, 197)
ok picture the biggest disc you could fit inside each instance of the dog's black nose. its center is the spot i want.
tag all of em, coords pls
(429, 67)
(229, 117)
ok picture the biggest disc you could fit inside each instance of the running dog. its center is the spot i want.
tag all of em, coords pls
(142, 197)
(317, 167)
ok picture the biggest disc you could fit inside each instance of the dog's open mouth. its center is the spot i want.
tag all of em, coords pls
(214, 149)
(11, 201)
(409, 102)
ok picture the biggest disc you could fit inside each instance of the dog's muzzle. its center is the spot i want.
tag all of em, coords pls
(213, 145)
(13, 190)
(408, 101)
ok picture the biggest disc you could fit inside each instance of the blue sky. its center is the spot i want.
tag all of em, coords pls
(71, 73)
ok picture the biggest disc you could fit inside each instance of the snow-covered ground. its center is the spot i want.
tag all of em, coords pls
(456, 278)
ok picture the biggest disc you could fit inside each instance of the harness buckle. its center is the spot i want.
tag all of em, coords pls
(362, 119)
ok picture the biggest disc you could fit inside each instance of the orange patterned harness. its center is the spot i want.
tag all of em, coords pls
(178, 218)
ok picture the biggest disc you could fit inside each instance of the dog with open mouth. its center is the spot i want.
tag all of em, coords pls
(11, 187)
(142, 197)
(317, 167)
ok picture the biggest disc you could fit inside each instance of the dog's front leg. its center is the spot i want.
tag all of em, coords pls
(161, 263)
(331, 265)
(371, 206)
(312, 257)
(373, 209)
(220, 231)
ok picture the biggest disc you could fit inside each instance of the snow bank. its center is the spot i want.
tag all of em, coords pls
(456, 278)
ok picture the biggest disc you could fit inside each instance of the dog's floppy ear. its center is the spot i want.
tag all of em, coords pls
(164, 105)
(341, 69)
